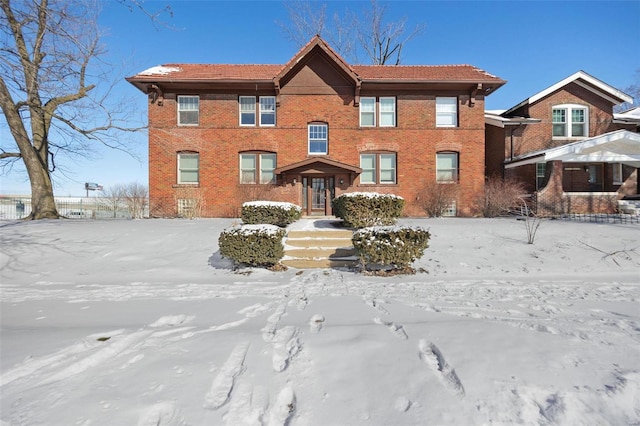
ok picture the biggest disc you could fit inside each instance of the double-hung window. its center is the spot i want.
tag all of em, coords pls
(570, 121)
(386, 107)
(267, 110)
(387, 112)
(541, 169)
(367, 112)
(446, 112)
(378, 168)
(188, 110)
(247, 110)
(447, 170)
(257, 168)
(318, 139)
(188, 167)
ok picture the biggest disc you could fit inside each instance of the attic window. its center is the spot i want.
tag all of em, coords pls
(570, 121)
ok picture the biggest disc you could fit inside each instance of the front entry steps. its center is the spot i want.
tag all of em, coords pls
(319, 248)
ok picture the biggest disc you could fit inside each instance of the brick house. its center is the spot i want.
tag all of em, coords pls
(567, 146)
(312, 129)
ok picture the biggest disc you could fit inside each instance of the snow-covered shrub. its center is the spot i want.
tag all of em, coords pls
(255, 245)
(270, 212)
(361, 209)
(395, 246)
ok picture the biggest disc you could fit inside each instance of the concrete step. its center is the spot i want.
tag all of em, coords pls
(338, 233)
(318, 242)
(319, 248)
(320, 253)
(319, 263)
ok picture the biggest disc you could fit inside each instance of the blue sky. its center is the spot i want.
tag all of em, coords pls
(531, 44)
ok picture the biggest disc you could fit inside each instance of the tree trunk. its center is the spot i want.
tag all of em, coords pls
(43, 204)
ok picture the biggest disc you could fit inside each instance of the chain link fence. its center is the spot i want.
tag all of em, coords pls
(16, 207)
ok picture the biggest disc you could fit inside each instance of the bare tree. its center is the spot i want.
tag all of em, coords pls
(112, 198)
(50, 66)
(351, 34)
(634, 91)
(136, 196)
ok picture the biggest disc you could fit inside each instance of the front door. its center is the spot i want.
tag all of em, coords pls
(317, 193)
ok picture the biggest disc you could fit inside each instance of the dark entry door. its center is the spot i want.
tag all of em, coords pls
(317, 194)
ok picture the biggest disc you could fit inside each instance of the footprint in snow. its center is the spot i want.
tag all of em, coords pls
(431, 355)
(222, 384)
(315, 323)
(284, 408)
(285, 346)
(396, 329)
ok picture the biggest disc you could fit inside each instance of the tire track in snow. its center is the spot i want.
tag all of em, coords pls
(431, 355)
(222, 384)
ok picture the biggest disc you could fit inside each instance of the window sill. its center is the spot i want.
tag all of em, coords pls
(187, 185)
(369, 185)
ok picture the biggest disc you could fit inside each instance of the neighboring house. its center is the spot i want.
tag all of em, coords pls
(568, 147)
(312, 129)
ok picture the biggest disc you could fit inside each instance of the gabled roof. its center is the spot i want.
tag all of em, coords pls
(621, 146)
(584, 80)
(315, 162)
(316, 43)
(250, 73)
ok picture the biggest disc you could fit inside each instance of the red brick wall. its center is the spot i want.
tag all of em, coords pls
(219, 139)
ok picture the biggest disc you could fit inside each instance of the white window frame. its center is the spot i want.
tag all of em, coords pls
(315, 139)
(365, 105)
(247, 111)
(455, 171)
(180, 168)
(541, 170)
(269, 101)
(377, 168)
(382, 113)
(617, 173)
(258, 168)
(187, 108)
(446, 107)
(568, 121)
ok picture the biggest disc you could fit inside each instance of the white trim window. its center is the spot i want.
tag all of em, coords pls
(247, 110)
(188, 110)
(188, 167)
(378, 168)
(267, 110)
(257, 168)
(541, 170)
(318, 139)
(367, 112)
(617, 173)
(570, 121)
(446, 112)
(447, 167)
(388, 112)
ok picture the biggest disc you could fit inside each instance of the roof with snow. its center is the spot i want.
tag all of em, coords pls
(584, 80)
(621, 146)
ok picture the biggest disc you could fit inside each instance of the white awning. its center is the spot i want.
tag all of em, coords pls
(621, 146)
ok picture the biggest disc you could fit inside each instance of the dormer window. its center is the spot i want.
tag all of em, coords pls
(570, 121)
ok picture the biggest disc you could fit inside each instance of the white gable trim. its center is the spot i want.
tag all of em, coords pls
(606, 91)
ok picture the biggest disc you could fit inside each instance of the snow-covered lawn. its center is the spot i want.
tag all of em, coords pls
(142, 322)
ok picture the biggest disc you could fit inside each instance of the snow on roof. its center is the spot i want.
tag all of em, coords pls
(630, 115)
(160, 70)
